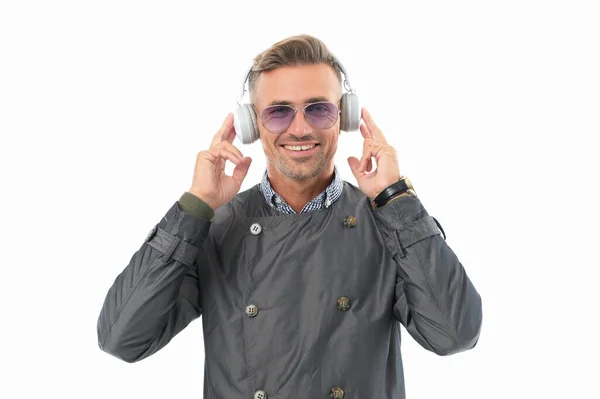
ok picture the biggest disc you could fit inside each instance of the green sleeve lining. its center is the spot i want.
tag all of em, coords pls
(189, 203)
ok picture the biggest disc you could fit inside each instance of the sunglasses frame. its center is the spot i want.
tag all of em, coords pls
(303, 107)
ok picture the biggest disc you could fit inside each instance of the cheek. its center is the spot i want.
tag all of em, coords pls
(264, 138)
(265, 144)
(334, 136)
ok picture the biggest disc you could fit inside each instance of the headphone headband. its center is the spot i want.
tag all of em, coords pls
(346, 78)
(336, 64)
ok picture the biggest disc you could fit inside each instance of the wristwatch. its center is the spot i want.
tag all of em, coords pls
(401, 186)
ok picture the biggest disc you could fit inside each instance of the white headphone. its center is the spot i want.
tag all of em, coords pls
(246, 126)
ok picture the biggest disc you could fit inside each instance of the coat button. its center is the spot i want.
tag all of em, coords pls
(337, 393)
(251, 310)
(260, 394)
(255, 229)
(350, 221)
(343, 304)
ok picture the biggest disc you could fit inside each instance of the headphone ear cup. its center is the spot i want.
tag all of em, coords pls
(244, 122)
(350, 116)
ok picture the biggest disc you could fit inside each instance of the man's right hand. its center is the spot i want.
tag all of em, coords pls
(210, 183)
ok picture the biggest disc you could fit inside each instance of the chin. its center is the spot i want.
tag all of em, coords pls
(300, 173)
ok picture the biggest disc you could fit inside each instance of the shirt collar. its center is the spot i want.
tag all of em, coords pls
(324, 200)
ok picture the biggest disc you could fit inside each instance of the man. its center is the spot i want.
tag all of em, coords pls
(302, 282)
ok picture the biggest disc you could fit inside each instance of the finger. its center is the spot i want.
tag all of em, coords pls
(232, 134)
(364, 130)
(366, 156)
(372, 149)
(231, 148)
(221, 164)
(373, 129)
(224, 131)
(241, 170)
(367, 135)
(211, 156)
(354, 163)
(221, 154)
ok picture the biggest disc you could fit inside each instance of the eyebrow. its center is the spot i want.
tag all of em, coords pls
(307, 101)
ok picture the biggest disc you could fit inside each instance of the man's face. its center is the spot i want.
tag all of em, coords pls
(298, 85)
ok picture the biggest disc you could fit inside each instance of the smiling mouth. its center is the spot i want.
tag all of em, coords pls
(299, 148)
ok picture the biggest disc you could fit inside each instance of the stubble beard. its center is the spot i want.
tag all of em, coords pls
(291, 169)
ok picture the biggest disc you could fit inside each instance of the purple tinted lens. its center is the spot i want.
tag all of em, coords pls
(277, 118)
(321, 115)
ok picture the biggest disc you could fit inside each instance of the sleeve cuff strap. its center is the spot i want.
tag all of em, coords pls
(173, 247)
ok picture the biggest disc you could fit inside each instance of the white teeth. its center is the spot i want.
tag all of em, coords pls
(299, 147)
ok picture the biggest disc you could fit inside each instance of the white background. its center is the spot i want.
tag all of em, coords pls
(493, 108)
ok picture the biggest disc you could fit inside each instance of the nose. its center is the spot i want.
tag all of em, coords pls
(300, 125)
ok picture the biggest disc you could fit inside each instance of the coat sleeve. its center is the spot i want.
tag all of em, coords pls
(434, 298)
(158, 293)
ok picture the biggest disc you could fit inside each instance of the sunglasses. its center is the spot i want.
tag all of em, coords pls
(278, 118)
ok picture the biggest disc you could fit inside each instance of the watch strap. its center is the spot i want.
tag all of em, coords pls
(391, 191)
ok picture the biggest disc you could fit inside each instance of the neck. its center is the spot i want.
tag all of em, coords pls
(297, 193)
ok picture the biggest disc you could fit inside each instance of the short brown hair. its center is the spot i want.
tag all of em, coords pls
(292, 51)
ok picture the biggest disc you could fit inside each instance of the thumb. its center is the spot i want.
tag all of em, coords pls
(241, 170)
(354, 165)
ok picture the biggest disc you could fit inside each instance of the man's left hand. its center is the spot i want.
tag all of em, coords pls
(372, 182)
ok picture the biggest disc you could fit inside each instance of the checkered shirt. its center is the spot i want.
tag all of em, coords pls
(321, 201)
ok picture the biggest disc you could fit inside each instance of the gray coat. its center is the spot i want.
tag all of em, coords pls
(295, 306)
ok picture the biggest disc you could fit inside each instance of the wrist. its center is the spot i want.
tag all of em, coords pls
(404, 194)
(204, 198)
(194, 204)
(402, 187)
